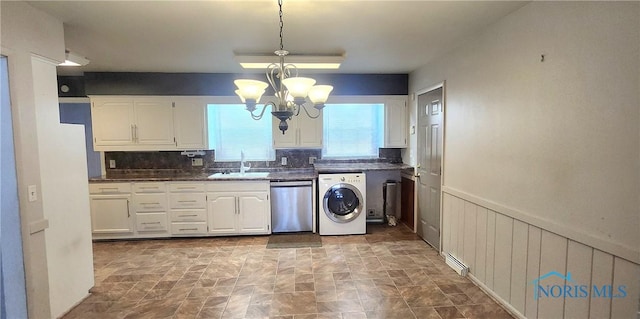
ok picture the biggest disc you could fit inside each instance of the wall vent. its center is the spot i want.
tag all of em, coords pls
(456, 265)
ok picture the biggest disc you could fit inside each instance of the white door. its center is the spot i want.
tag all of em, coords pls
(223, 213)
(254, 216)
(429, 168)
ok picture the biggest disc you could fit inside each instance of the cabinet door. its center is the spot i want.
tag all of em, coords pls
(290, 137)
(310, 130)
(395, 122)
(190, 124)
(154, 123)
(112, 122)
(255, 213)
(111, 214)
(223, 213)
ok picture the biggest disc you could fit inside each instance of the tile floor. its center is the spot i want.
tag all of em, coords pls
(388, 273)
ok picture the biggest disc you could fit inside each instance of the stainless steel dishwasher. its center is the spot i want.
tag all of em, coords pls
(291, 206)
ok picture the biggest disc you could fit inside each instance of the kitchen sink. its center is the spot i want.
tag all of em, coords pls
(239, 175)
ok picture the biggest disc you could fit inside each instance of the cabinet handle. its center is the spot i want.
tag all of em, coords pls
(183, 229)
(128, 211)
(151, 223)
(150, 203)
(136, 130)
(189, 187)
(148, 187)
(133, 133)
(237, 204)
(187, 201)
(192, 215)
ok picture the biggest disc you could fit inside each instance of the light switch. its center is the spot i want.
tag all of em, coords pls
(283, 161)
(112, 163)
(33, 193)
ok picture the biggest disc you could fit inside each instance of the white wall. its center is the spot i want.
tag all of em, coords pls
(34, 43)
(553, 145)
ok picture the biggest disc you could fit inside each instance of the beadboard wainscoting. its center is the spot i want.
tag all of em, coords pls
(505, 255)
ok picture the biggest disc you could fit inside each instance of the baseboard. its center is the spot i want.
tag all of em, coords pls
(507, 306)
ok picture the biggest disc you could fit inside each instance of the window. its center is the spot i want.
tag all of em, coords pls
(352, 130)
(231, 130)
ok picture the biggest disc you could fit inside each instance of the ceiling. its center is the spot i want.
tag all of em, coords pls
(203, 36)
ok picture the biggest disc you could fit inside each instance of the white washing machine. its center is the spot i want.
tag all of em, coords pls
(343, 204)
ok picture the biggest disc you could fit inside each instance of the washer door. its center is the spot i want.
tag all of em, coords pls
(342, 203)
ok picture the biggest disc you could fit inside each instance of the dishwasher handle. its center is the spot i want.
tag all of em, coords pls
(292, 184)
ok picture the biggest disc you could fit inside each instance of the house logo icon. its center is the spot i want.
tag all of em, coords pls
(536, 282)
(569, 288)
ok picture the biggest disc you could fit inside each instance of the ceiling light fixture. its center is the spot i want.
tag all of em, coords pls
(290, 90)
(318, 62)
(73, 59)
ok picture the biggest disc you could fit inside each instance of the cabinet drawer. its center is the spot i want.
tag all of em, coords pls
(186, 187)
(239, 186)
(188, 216)
(149, 187)
(109, 188)
(187, 201)
(150, 202)
(151, 222)
(188, 228)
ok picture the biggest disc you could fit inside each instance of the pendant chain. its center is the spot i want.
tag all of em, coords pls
(281, 24)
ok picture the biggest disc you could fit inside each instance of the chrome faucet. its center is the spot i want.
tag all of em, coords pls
(243, 168)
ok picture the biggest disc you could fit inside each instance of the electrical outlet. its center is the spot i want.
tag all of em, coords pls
(112, 163)
(196, 162)
(283, 161)
(312, 159)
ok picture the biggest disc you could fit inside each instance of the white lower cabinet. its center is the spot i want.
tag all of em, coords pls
(187, 202)
(239, 208)
(150, 207)
(111, 210)
(165, 209)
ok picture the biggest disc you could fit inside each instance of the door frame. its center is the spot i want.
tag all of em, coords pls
(416, 207)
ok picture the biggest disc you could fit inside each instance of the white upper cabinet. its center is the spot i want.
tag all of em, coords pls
(113, 122)
(303, 132)
(147, 124)
(153, 123)
(190, 124)
(395, 122)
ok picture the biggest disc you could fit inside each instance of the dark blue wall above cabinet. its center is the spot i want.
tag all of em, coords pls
(221, 84)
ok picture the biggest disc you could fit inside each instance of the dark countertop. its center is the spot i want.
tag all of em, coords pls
(352, 167)
(274, 175)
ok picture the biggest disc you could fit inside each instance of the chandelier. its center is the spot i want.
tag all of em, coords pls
(291, 91)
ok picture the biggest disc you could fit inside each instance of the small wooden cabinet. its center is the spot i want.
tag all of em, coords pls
(407, 188)
(239, 208)
(303, 132)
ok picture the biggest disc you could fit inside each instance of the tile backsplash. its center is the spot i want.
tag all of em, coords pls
(172, 160)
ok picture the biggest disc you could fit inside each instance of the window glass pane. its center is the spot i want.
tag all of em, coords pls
(352, 130)
(231, 130)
